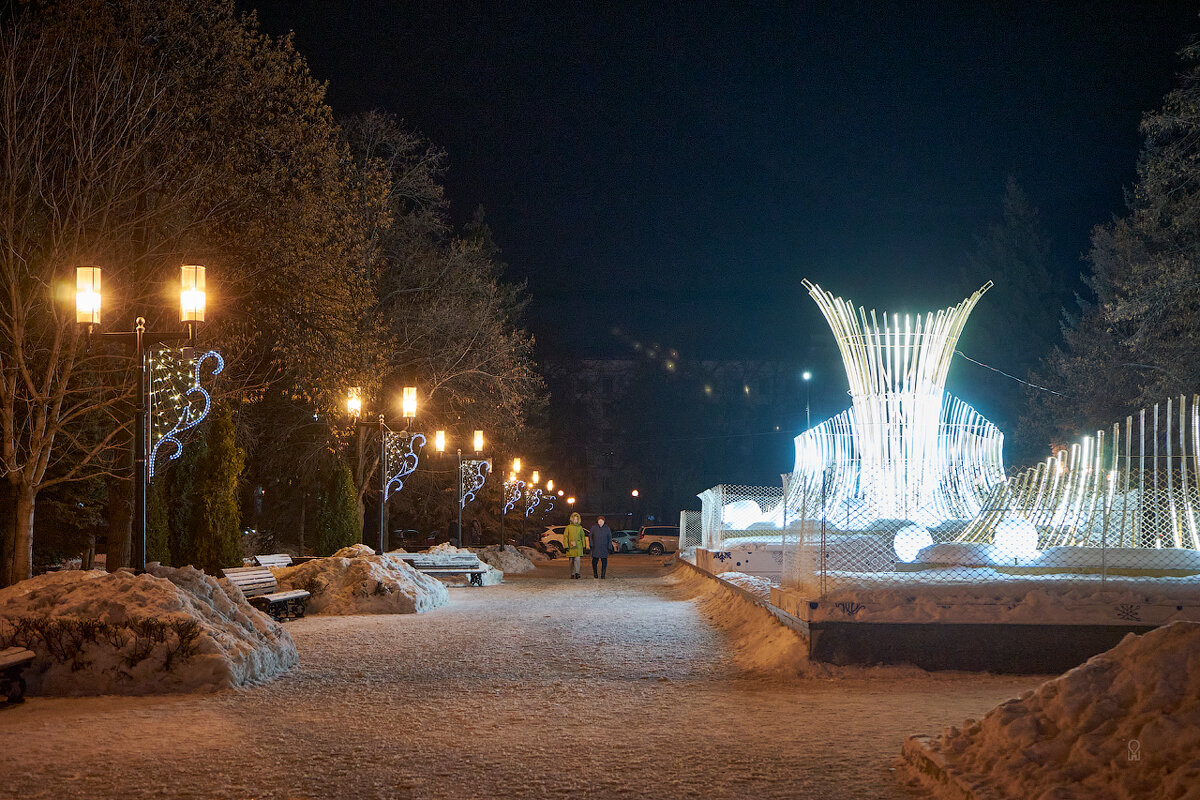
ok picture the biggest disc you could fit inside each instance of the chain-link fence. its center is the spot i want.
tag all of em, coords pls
(691, 530)
(741, 514)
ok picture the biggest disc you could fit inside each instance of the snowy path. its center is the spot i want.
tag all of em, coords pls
(541, 687)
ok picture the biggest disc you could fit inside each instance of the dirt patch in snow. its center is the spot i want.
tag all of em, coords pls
(366, 584)
(168, 630)
(533, 554)
(1125, 724)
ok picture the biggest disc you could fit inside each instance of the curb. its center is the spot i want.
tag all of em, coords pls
(784, 618)
(931, 768)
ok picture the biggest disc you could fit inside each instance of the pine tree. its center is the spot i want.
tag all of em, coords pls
(338, 523)
(216, 522)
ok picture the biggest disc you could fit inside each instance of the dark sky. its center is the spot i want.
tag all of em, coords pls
(676, 169)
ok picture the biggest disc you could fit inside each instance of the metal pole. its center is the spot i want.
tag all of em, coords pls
(382, 482)
(139, 453)
(460, 495)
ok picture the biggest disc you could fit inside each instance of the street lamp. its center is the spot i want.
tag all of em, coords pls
(807, 376)
(88, 304)
(636, 495)
(394, 462)
(472, 474)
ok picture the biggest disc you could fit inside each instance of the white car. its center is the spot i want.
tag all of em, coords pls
(552, 538)
(658, 539)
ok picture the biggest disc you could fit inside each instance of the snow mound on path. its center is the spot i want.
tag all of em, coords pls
(168, 630)
(505, 559)
(354, 551)
(533, 554)
(363, 585)
(1126, 724)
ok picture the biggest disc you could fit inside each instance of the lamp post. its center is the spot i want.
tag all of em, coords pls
(88, 303)
(637, 506)
(807, 376)
(389, 445)
(472, 471)
(513, 491)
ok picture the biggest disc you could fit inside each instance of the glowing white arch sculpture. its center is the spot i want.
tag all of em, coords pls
(906, 449)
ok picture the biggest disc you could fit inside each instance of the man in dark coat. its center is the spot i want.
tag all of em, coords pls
(601, 546)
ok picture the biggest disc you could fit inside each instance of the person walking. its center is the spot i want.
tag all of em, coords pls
(601, 546)
(573, 543)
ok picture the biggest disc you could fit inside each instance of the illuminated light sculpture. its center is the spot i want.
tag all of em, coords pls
(906, 449)
(1137, 487)
(909, 541)
(176, 402)
(514, 489)
(401, 454)
(472, 474)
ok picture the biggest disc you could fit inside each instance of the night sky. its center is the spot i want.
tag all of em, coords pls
(675, 170)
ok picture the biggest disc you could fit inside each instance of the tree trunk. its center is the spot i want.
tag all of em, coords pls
(7, 543)
(19, 563)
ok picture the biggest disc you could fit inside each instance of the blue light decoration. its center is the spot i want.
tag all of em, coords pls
(514, 489)
(178, 402)
(402, 455)
(472, 475)
(549, 498)
(535, 497)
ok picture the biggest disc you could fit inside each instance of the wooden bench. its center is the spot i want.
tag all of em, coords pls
(274, 560)
(262, 590)
(441, 564)
(12, 661)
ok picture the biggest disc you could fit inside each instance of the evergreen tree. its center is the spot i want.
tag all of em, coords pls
(216, 513)
(338, 522)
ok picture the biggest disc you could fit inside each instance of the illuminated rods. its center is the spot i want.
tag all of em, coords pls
(906, 448)
(402, 456)
(176, 405)
(472, 475)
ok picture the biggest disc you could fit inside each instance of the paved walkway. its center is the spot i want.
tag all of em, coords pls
(540, 687)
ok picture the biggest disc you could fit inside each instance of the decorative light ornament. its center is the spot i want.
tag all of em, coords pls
(514, 488)
(535, 497)
(191, 294)
(402, 454)
(409, 404)
(177, 400)
(909, 541)
(1015, 539)
(472, 475)
(87, 295)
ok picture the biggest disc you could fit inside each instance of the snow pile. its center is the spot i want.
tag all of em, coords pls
(755, 584)
(354, 551)
(367, 584)
(533, 554)
(761, 644)
(492, 577)
(1125, 724)
(505, 559)
(168, 630)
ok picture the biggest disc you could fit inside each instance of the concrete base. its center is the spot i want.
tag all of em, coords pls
(1015, 649)
(762, 560)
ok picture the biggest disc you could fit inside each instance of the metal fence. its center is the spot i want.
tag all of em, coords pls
(691, 529)
(732, 513)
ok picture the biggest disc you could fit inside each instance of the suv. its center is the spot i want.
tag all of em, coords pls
(624, 541)
(658, 539)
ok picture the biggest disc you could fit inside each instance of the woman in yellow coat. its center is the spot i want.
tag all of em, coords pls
(573, 538)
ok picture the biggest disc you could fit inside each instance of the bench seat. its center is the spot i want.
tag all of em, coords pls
(12, 661)
(261, 589)
(273, 560)
(454, 564)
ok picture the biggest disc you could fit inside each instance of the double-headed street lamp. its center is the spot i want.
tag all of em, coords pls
(399, 451)
(472, 473)
(192, 301)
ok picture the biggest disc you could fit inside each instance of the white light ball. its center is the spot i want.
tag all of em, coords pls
(740, 515)
(909, 541)
(1015, 539)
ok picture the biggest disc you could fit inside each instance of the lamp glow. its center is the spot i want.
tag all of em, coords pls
(570, 501)
(560, 492)
(533, 480)
(87, 295)
(191, 295)
(354, 401)
(409, 404)
(909, 541)
(634, 493)
(516, 466)
(478, 443)
(550, 486)
(439, 441)
(1015, 538)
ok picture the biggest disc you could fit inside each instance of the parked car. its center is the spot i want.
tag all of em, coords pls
(658, 539)
(624, 541)
(552, 539)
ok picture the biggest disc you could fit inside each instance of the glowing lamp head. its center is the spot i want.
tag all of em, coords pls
(87, 295)
(533, 479)
(560, 492)
(550, 486)
(909, 541)
(409, 403)
(516, 466)
(191, 294)
(478, 442)
(439, 441)
(354, 401)
(570, 501)
(1015, 538)
(634, 493)
(806, 375)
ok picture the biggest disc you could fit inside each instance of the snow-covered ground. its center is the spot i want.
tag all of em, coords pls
(169, 630)
(1124, 725)
(539, 687)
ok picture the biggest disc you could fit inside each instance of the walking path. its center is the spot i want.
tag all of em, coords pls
(540, 687)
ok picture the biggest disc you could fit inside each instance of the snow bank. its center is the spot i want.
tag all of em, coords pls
(354, 551)
(168, 630)
(366, 584)
(505, 559)
(492, 577)
(1126, 724)
(533, 554)
(761, 644)
(755, 584)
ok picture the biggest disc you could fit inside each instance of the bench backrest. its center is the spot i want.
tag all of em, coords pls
(274, 560)
(253, 581)
(15, 655)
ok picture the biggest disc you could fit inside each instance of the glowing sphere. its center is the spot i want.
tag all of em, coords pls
(741, 514)
(1014, 539)
(909, 541)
